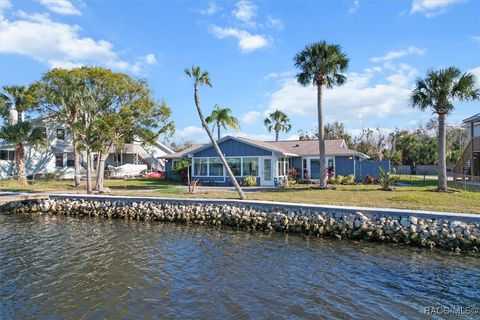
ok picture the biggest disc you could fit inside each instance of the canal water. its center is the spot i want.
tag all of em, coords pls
(73, 268)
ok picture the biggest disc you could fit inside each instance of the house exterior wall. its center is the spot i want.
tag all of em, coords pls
(233, 148)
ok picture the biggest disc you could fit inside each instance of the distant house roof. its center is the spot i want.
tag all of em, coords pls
(310, 148)
(293, 148)
(183, 153)
(474, 118)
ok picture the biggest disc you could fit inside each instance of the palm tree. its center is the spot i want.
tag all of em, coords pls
(202, 78)
(222, 118)
(438, 90)
(321, 64)
(62, 96)
(17, 131)
(278, 121)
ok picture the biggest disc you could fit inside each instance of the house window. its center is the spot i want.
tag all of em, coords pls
(235, 166)
(7, 155)
(59, 160)
(250, 166)
(70, 160)
(200, 166)
(282, 167)
(60, 134)
(215, 167)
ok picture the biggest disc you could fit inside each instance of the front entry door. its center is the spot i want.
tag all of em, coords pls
(266, 178)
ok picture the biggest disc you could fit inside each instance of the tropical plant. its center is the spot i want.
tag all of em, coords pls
(250, 181)
(277, 121)
(203, 78)
(62, 95)
(438, 90)
(322, 65)
(19, 100)
(221, 118)
(387, 179)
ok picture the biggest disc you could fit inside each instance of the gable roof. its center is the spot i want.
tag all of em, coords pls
(293, 148)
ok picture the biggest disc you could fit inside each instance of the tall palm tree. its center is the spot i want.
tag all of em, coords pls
(202, 78)
(18, 131)
(222, 118)
(438, 90)
(278, 121)
(322, 65)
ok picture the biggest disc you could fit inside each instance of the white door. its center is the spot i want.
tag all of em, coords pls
(266, 177)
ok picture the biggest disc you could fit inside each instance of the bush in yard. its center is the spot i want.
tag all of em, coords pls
(346, 180)
(387, 179)
(250, 181)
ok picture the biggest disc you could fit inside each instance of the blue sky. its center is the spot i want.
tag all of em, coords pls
(248, 48)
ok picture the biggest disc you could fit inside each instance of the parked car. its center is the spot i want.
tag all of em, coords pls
(127, 171)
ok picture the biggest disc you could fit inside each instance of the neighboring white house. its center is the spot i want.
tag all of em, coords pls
(57, 156)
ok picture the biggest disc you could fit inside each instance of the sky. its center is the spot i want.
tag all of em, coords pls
(248, 49)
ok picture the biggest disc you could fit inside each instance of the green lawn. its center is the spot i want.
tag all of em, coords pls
(419, 194)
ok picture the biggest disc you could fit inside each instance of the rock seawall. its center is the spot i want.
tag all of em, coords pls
(411, 230)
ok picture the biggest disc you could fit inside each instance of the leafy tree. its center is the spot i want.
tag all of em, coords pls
(181, 145)
(116, 109)
(322, 65)
(277, 121)
(62, 94)
(222, 118)
(438, 90)
(203, 78)
(19, 132)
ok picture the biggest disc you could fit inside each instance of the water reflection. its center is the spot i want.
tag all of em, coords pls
(61, 267)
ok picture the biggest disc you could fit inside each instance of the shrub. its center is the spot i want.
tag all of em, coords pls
(250, 181)
(292, 173)
(387, 179)
(350, 179)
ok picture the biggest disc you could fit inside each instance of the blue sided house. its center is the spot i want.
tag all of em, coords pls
(270, 161)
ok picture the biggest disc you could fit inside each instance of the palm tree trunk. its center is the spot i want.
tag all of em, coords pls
(321, 139)
(442, 160)
(215, 146)
(20, 163)
(277, 133)
(218, 130)
(89, 171)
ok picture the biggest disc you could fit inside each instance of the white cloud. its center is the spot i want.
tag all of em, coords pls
(275, 23)
(245, 12)
(60, 45)
(359, 99)
(64, 7)
(150, 58)
(354, 6)
(192, 133)
(261, 137)
(277, 75)
(431, 8)
(211, 9)
(5, 4)
(391, 55)
(250, 117)
(476, 73)
(247, 42)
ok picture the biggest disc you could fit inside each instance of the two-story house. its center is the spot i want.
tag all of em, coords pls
(468, 166)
